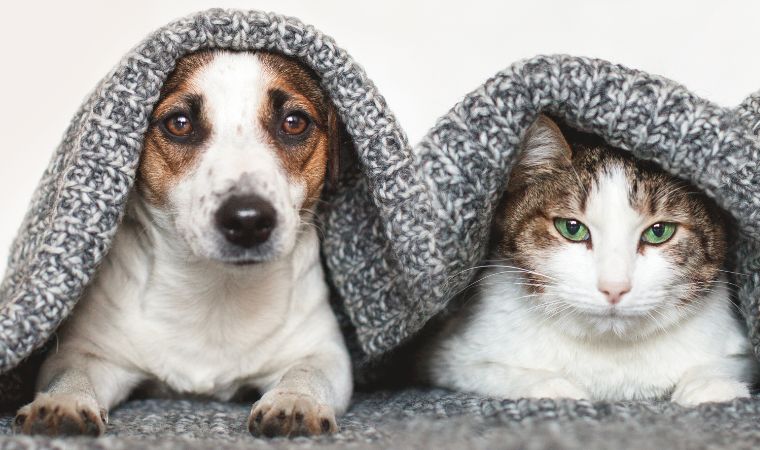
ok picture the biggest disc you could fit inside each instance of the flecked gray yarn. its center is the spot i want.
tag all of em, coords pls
(81, 198)
(399, 237)
(461, 168)
(420, 419)
(400, 232)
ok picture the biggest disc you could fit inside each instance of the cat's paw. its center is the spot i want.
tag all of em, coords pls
(283, 413)
(61, 415)
(701, 390)
(556, 388)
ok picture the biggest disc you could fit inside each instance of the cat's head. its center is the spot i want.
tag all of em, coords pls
(610, 244)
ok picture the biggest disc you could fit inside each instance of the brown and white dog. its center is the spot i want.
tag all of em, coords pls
(214, 282)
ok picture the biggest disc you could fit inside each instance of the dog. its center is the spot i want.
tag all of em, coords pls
(214, 282)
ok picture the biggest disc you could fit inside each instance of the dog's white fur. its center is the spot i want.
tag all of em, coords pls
(234, 87)
(569, 341)
(166, 305)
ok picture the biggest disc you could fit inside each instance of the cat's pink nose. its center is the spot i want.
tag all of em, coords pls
(614, 290)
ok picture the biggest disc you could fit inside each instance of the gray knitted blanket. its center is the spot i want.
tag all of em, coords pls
(399, 233)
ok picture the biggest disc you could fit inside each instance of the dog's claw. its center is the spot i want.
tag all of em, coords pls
(59, 415)
(290, 414)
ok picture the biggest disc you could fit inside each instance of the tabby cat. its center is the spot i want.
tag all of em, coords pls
(606, 283)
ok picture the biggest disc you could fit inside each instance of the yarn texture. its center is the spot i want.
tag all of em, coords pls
(400, 233)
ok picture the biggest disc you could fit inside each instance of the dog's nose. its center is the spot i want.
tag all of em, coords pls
(246, 221)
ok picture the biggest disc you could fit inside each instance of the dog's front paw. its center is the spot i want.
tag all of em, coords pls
(556, 388)
(701, 390)
(60, 415)
(283, 413)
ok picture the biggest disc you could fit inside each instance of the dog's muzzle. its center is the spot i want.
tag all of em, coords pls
(246, 221)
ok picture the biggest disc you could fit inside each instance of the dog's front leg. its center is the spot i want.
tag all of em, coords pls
(70, 402)
(305, 400)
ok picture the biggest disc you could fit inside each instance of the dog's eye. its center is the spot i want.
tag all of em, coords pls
(294, 124)
(179, 125)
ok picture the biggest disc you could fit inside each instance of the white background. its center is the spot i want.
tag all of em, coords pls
(423, 55)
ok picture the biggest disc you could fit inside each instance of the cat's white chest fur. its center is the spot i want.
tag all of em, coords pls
(506, 347)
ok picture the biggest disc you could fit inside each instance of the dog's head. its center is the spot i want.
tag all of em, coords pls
(238, 149)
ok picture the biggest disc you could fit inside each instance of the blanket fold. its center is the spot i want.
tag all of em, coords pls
(464, 162)
(82, 195)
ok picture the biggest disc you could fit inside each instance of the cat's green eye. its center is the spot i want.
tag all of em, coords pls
(659, 233)
(572, 229)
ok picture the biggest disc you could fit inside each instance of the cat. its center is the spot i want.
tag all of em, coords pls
(606, 284)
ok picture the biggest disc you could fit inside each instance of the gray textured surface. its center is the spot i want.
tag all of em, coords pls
(398, 232)
(403, 420)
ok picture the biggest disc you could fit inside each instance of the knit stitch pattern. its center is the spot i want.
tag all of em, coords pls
(425, 419)
(405, 225)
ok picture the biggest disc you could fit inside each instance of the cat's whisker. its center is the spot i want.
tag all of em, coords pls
(566, 314)
(485, 277)
(545, 305)
(512, 271)
(659, 310)
(651, 317)
(551, 314)
(502, 266)
(508, 263)
(719, 282)
(537, 285)
(735, 273)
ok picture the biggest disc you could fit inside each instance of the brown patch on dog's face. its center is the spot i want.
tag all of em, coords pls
(177, 132)
(301, 123)
(294, 99)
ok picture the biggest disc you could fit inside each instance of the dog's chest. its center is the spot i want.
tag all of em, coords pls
(213, 341)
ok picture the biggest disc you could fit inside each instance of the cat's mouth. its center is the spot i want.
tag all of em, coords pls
(613, 311)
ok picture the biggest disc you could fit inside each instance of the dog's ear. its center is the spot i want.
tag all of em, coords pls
(339, 148)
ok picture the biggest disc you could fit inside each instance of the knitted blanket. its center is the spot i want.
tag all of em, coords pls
(400, 231)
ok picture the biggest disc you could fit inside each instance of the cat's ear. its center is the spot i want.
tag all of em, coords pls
(544, 150)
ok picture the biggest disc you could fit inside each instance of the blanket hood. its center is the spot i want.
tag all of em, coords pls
(82, 196)
(404, 226)
(463, 165)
